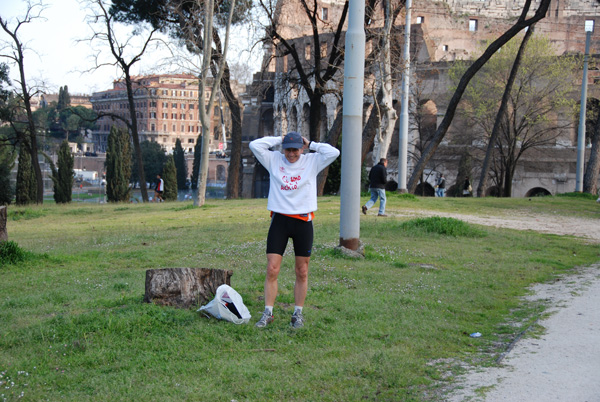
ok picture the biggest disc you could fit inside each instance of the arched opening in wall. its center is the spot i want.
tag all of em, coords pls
(492, 191)
(304, 128)
(265, 127)
(323, 127)
(293, 120)
(221, 173)
(425, 190)
(269, 94)
(391, 185)
(261, 181)
(592, 110)
(425, 120)
(284, 121)
(538, 192)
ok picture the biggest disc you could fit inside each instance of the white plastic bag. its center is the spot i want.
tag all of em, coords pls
(227, 305)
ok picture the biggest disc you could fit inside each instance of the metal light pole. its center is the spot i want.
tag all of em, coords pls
(354, 77)
(582, 110)
(403, 146)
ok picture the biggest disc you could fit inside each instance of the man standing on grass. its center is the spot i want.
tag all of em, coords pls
(378, 180)
(292, 202)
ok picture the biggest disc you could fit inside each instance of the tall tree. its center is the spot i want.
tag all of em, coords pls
(180, 165)
(7, 162)
(125, 57)
(154, 161)
(26, 191)
(64, 98)
(118, 166)
(63, 177)
(592, 133)
(500, 115)
(522, 23)
(541, 92)
(14, 51)
(185, 20)
(169, 176)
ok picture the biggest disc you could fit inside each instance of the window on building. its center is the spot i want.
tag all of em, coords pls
(323, 50)
(420, 20)
(183, 106)
(165, 128)
(190, 141)
(307, 51)
(174, 128)
(324, 13)
(182, 116)
(174, 105)
(472, 25)
(153, 127)
(445, 48)
(191, 106)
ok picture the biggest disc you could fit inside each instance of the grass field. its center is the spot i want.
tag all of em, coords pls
(393, 326)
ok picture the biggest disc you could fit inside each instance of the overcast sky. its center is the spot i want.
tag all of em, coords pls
(56, 57)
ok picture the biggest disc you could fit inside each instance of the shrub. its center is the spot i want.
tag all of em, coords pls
(11, 253)
(443, 226)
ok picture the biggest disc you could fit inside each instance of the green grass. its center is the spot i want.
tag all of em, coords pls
(389, 327)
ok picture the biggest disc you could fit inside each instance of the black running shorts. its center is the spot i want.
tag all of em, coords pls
(285, 227)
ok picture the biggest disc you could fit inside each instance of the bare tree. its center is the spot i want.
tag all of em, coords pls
(14, 50)
(522, 23)
(125, 55)
(184, 20)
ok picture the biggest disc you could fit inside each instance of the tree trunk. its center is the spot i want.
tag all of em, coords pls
(485, 169)
(590, 178)
(234, 173)
(3, 232)
(135, 137)
(333, 137)
(184, 287)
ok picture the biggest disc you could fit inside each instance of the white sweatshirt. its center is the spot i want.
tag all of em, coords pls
(293, 187)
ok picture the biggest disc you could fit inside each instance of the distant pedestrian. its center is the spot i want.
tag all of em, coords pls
(467, 189)
(378, 180)
(159, 189)
(441, 186)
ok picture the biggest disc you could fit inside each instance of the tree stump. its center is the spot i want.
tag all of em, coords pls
(184, 287)
(3, 232)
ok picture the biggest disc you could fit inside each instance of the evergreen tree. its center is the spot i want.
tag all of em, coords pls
(170, 178)
(154, 158)
(63, 178)
(7, 162)
(196, 165)
(64, 99)
(26, 191)
(180, 165)
(118, 166)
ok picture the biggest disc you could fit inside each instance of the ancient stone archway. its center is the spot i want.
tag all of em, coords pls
(538, 192)
(304, 128)
(266, 124)
(425, 190)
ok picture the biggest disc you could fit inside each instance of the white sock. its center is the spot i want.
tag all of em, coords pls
(298, 309)
(269, 309)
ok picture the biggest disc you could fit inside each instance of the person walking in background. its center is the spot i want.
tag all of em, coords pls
(292, 202)
(159, 189)
(377, 182)
(441, 186)
(467, 189)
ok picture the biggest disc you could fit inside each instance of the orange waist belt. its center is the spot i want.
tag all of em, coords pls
(303, 217)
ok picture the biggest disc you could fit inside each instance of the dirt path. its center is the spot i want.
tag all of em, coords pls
(560, 225)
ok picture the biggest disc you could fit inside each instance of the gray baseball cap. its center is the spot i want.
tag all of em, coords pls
(292, 140)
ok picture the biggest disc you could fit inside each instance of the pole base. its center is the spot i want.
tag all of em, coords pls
(351, 244)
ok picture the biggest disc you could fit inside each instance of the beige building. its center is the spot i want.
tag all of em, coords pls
(166, 110)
